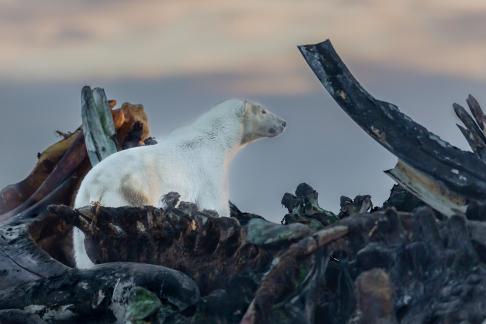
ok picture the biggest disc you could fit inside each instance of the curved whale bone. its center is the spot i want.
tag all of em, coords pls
(425, 156)
(101, 293)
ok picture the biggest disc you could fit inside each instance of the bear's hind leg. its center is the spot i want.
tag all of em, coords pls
(109, 199)
(80, 256)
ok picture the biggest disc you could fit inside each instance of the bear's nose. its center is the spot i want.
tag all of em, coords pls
(284, 123)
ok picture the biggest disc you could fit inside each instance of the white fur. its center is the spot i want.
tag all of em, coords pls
(192, 160)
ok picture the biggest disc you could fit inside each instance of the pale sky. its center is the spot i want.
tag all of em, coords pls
(179, 58)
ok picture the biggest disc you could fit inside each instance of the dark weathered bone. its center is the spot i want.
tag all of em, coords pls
(433, 192)
(472, 131)
(459, 171)
(476, 111)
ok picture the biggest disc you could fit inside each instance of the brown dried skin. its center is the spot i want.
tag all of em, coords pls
(127, 116)
(66, 166)
(13, 195)
(118, 117)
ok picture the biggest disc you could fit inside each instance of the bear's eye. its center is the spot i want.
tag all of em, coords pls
(264, 111)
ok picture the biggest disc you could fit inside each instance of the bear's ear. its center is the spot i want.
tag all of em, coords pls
(243, 108)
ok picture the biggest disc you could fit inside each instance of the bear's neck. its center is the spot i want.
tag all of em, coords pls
(222, 135)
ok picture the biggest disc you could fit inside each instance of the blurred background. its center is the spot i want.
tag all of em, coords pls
(179, 58)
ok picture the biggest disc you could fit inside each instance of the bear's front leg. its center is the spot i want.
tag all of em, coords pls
(213, 200)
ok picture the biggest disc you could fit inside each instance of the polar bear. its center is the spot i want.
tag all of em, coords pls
(192, 160)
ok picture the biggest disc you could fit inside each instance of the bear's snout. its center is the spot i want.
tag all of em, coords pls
(282, 125)
(278, 127)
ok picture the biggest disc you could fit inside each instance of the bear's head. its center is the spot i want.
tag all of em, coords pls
(259, 122)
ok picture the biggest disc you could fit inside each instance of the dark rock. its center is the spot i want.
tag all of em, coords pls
(375, 298)
(402, 200)
(304, 208)
(476, 211)
(264, 233)
(374, 255)
(360, 204)
(150, 141)
(477, 232)
(242, 217)
(170, 200)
